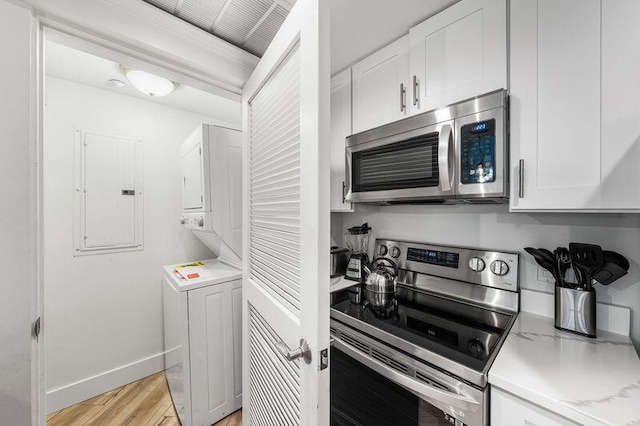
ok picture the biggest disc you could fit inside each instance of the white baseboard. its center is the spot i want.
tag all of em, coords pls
(73, 393)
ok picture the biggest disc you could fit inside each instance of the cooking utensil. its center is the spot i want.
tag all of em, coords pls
(587, 258)
(563, 265)
(545, 259)
(615, 266)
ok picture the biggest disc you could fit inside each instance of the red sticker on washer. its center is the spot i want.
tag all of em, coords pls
(195, 275)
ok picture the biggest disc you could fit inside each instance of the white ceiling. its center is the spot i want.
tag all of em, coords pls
(360, 27)
(74, 65)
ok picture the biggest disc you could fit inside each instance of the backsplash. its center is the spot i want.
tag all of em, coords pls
(493, 227)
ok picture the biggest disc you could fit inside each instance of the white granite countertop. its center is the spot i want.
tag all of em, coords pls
(590, 381)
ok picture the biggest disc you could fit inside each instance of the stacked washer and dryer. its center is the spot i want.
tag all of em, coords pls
(203, 299)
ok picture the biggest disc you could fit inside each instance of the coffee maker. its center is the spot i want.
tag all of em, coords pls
(357, 240)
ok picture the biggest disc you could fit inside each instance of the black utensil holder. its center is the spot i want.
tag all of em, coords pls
(575, 310)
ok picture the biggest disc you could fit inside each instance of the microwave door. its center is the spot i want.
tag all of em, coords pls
(413, 165)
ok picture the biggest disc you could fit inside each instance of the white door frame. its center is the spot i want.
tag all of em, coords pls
(68, 26)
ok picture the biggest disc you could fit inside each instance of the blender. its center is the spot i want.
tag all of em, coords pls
(357, 240)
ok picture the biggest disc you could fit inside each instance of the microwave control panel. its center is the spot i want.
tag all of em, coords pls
(478, 152)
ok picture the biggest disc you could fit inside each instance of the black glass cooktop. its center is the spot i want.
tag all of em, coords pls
(463, 333)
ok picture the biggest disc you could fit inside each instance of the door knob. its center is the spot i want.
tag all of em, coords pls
(301, 352)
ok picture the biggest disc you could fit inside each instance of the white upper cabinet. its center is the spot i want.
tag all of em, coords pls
(574, 119)
(340, 129)
(380, 85)
(457, 54)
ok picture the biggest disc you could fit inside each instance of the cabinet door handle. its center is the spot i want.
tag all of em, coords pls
(403, 98)
(344, 188)
(521, 182)
(416, 91)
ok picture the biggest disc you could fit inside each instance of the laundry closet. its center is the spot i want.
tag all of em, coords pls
(113, 197)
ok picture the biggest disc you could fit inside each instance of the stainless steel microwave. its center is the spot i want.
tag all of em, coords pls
(455, 154)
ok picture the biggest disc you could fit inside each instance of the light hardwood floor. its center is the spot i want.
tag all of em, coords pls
(145, 402)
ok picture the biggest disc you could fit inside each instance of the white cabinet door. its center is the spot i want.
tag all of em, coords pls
(211, 353)
(380, 84)
(620, 141)
(457, 54)
(286, 218)
(236, 347)
(574, 125)
(340, 129)
(509, 410)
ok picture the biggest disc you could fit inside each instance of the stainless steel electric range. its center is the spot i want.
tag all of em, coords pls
(424, 361)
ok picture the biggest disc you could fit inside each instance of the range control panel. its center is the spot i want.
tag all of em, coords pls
(477, 266)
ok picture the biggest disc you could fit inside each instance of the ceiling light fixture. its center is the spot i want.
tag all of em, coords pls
(148, 83)
(117, 83)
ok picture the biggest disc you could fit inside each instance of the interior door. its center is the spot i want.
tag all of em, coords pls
(286, 222)
(17, 221)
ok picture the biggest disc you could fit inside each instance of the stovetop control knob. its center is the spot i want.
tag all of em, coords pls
(395, 252)
(476, 264)
(382, 250)
(499, 267)
(476, 348)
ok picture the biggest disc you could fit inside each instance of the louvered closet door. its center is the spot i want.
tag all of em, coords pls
(286, 222)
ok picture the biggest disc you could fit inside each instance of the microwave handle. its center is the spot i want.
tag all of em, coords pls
(444, 145)
(422, 390)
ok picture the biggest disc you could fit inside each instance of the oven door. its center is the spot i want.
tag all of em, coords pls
(408, 166)
(373, 384)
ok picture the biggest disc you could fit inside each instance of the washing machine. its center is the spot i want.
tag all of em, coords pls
(203, 339)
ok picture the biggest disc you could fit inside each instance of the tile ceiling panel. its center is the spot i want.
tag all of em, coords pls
(248, 24)
(262, 36)
(201, 13)
(240, 18)
(167, 5)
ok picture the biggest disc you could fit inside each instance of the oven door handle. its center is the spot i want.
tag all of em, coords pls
(444, 146)
(423, 391)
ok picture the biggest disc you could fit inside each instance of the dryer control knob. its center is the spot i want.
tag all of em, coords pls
(200, 221)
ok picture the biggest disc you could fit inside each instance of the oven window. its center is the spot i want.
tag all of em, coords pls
(361, 397)
(412, 163)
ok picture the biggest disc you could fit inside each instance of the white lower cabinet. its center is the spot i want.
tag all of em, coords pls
(215, 318)
(575, 124)
(509, 410)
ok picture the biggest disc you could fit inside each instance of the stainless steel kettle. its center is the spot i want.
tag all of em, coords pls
(380, 286)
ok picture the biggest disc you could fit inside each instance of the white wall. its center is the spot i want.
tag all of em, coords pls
(494, 227)
(103, 313)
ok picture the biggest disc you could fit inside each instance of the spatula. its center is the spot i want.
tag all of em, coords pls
(615, 266)
(588, 258)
